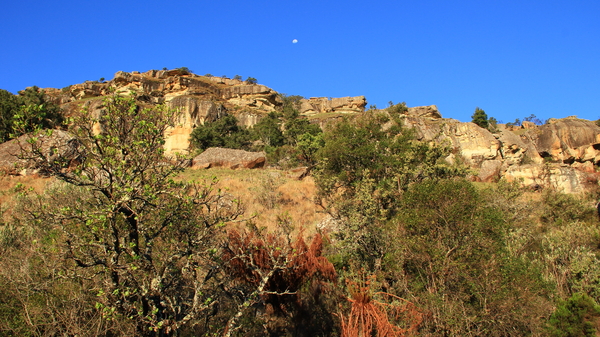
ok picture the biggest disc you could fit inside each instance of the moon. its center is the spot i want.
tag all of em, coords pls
(294, 41)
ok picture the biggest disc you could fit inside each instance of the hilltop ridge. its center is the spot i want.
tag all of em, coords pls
(563, 153)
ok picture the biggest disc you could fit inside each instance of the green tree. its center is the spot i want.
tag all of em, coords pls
(224, 132)
(251, 80)
(295, 125)
(399, 108)
(308, 145)
(532, 118)
(480, 118)
(268, 130)
(493, 124)
(147, 241)
(517, 122)
(185, 70)
(448, 249)
(9, 106)
(26, 112)
(362, 171)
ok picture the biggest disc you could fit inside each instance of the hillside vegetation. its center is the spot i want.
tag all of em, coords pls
(384, 238)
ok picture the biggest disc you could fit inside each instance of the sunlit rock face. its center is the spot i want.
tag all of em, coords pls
(319, 105)
(563, 153)
(198, 99)
(567, 140)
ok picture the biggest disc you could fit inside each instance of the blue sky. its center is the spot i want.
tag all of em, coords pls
(510, 58)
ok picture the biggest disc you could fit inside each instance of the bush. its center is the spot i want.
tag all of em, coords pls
(561, 208)
(185, 70)
(268, 131)
(447, 248)
(224, 132)
(577, 316)
(145, 241)
(26, 112)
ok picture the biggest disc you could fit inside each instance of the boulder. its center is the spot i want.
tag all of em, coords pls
(490, 171)
(57, 149)
(528, 125)
(298, 173)
(252, 96)
(229, 158)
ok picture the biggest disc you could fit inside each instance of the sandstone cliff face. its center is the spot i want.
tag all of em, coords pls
(318, 105)
(468, 140)
(561, 155)
(567, 140)
(198, 99)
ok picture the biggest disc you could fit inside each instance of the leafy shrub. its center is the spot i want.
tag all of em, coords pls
(185, 70)
(268, 131)
(26, 112)
(577, 316)
(447, 248)
(560, 208)
(224, 132)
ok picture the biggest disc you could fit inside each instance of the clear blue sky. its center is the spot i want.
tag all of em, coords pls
(510, 58)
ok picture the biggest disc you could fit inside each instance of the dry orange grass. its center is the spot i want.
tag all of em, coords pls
(11, 185)
(268, 195)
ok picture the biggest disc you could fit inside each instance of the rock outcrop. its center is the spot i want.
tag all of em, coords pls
(229, 158)
(430, 111)
(567, 140)
(470, 141)
(318, 105)
(561, 154)
(199, 99)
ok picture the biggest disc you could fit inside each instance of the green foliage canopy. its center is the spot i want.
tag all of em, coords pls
(224, 132)
(363, 169)
(26, 112)
(480, 118)
(577, 316)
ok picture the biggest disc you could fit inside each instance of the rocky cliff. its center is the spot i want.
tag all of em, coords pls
(319, 105)
(564, 153)
(198, 99)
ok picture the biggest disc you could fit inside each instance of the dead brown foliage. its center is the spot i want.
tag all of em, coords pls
(274, 268)
(370, 317)
(288, 264)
